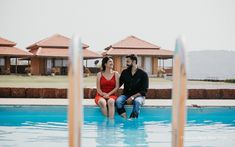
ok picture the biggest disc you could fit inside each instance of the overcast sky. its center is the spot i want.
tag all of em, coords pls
(206, 24)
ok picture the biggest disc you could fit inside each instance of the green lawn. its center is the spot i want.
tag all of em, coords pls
(33, 81)
(62, 82)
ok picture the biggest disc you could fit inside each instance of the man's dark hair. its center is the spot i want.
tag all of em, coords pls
(104, 61)
(133, 57)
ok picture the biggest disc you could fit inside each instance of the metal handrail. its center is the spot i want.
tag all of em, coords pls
(179, 94)
(75, 92)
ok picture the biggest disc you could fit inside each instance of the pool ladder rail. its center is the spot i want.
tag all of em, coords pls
(75, 92)
(179, 94)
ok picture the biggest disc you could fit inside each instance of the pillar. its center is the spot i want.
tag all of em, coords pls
(117, 63)
(154, 65)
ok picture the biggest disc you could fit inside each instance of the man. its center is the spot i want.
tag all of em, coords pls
(136, 84)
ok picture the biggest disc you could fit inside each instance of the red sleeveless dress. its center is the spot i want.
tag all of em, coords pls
(106, 86)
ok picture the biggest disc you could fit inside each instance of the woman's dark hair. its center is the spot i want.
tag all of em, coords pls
(133, 57)
(104, 61)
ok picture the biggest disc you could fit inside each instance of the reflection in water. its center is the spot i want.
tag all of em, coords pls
(47, 127)
(134, 132)
(106, 133)
(117, 133)
(120, 132)
(36, 134)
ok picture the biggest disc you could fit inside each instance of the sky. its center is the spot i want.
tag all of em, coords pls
(205, 24)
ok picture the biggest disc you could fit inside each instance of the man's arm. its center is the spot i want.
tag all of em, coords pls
(143, 91)
(121, 80)
(145, 85)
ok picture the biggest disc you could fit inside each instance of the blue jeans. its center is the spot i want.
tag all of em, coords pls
(137, 103)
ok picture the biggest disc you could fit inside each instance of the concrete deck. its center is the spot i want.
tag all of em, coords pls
(90, 102)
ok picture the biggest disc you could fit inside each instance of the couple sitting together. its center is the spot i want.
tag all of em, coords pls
(135, 82)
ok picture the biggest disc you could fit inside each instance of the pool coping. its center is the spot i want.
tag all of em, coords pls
(90, 102)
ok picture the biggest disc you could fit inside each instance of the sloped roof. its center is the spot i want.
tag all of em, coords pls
(134, 45)
(7, 49)
(88, 54)
(13, 51)
(57, 46)
(5, 42)
(62, 52)
(133, 42)
(146, 52)
(56, 40)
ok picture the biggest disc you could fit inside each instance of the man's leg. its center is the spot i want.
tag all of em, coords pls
(137, 103)
(120, 102)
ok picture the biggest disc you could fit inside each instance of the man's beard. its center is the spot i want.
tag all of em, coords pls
(129, 66)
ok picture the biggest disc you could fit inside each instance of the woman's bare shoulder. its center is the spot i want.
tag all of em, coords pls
(99, 74)
(116, 73)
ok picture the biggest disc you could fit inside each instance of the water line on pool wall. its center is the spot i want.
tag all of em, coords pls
(75, 92)
(179, 94)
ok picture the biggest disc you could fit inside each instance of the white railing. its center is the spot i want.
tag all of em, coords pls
(179, 95)
(75, 92)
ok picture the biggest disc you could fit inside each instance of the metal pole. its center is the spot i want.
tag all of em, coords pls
(179, 95)
(75, 92)
(16, 66)
(163, 63)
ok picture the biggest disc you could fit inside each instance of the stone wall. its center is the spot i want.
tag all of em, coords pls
(89, 93)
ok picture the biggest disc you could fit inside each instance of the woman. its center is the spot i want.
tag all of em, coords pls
(107, 85)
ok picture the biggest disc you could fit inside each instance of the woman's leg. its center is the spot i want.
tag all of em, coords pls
(111, 107)
(103, 106)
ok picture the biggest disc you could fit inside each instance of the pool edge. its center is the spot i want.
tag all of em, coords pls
(90, 102)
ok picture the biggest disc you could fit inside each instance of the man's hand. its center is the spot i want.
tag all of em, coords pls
(129, 100)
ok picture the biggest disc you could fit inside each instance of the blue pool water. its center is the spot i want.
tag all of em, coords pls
(46, 126)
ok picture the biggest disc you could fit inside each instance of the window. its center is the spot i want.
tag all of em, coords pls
(49, 63)
(139, 61)
(123, 61)
(2, 61)
(58, 62)
(65, 63)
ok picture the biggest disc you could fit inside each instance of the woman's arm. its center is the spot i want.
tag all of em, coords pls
(98, 84)
(117, 84)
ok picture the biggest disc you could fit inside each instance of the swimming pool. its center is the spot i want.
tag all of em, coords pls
(46, 126)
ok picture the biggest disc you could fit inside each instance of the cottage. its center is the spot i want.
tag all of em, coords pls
(148, 54)
(7, 52)
(51, 55)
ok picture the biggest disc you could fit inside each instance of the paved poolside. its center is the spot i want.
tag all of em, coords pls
(90, 102)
